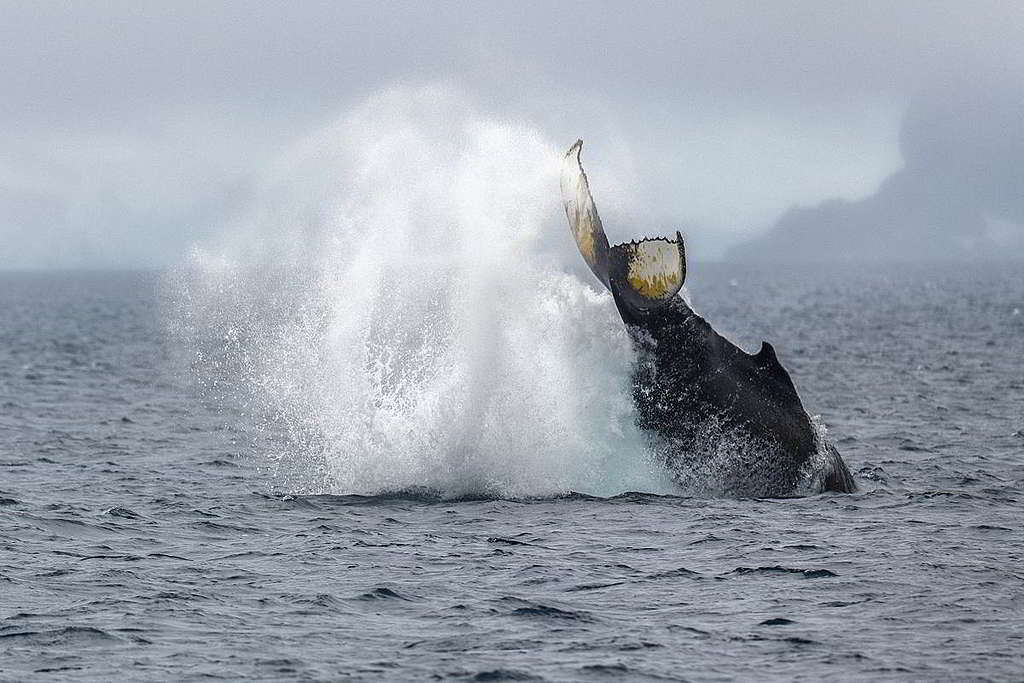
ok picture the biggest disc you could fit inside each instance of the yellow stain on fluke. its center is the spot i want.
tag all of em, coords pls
(588, 247)
(653, 287)
(583, 225)
(655, 269)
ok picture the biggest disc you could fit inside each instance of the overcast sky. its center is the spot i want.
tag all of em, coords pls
(129, 129)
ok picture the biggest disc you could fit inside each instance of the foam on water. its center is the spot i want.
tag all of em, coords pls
(394, 309)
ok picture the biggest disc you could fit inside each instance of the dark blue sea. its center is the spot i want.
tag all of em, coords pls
(157, 522)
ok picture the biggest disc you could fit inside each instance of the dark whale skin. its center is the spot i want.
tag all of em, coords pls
(717, 417)
(702, 395)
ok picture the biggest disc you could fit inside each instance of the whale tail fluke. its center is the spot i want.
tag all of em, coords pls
(648, 273)
(643, 275)
(584, 222)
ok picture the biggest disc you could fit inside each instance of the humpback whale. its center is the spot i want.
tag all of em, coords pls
(711, 411)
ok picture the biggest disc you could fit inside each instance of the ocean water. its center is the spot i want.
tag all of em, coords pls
(180, 506)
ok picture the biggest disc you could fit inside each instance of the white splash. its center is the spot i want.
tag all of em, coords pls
(393, 309)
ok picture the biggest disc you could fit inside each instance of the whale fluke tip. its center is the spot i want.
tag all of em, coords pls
(574, 151)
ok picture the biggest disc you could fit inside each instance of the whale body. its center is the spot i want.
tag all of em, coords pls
(712, 412)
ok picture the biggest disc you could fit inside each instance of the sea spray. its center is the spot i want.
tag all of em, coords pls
(392, 314)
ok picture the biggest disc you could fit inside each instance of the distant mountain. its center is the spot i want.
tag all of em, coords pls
(959, 195)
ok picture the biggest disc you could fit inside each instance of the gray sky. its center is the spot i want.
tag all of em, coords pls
(132, 128)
